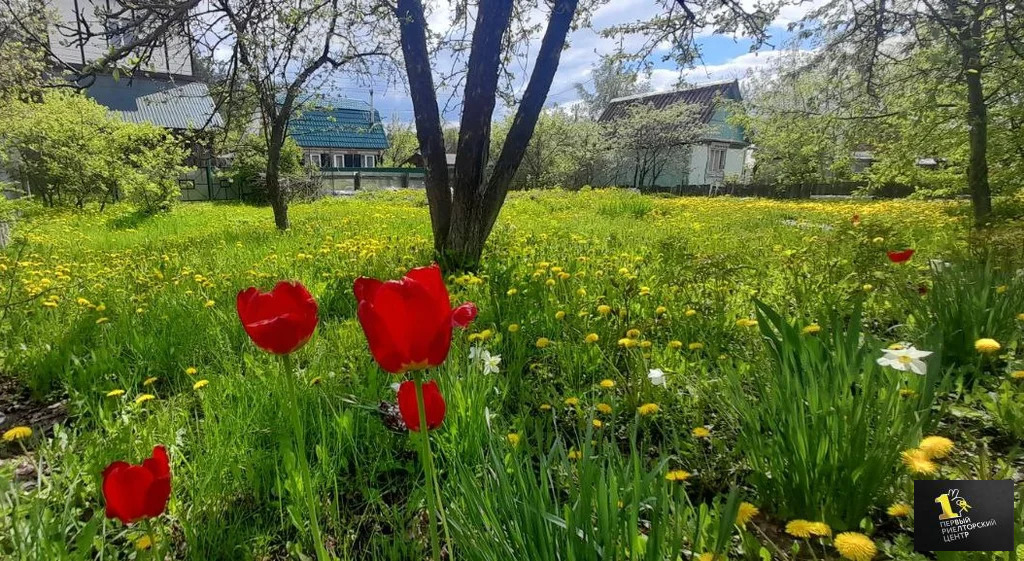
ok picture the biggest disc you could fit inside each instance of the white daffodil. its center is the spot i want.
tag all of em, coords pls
(490, 363)
(904, 359)
(656, 376)
(475, 353)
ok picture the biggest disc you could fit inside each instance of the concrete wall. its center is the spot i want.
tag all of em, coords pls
(174, 57)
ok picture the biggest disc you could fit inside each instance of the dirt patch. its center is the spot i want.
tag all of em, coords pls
(17, 408)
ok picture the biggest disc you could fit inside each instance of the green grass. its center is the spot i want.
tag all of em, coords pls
(104, 301)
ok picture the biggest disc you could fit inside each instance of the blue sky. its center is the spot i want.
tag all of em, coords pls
(724, 58)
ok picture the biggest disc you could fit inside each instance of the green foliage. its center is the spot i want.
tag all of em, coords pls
(968, 300)
(565, 151)
(249, 167)
(70, 151)
(822, 430)
(402, 143)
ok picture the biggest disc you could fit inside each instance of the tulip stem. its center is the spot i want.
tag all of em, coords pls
(301, 462)
(434, 509)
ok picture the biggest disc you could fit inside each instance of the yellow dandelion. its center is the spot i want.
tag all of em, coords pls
(102, 320)
(645, 291)
(867, 288)
(1001, 289)
(746, 322)
(316, 381)
(209, 304)
(591, 338)
(1020, 317)
(597, 423)
(512, 438)
(878, 240)
(200, 384)
(677, 475)
(627, 342)
(150, 381)
(710, 557)
(633, 333)
(545, 407)
(695, 346)
(701, 432)
(812, 329)
(799, 528)
(604, 408)
(1017, 374)
(543, 342)
(559, 315)
(660, 310)
(936, 447)
(572, 401)
(819, 529)
(513, 327)
(17, 433)
(604, 309)
(191, 371)
(486, 334)
(898, 510)
(607, 383)
(648, 409)
(855, 546)
(512, 291)
(143, 543)
(115, 393)
(907, 393)
(144, 398)
(987, 346)
(746, 513)
(918, 462)
(675, 344)
(690, 312)
(575, 454)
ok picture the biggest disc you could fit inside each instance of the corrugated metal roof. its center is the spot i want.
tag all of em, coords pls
(338, 123)
(169, 104)
(703, 95)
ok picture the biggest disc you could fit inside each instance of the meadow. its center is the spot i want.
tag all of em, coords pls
(647, 379)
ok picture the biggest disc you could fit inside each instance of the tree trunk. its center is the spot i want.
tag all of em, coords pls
(977, 123)
(427, 116)
(275, 193)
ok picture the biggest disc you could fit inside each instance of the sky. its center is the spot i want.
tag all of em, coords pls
(724, 58)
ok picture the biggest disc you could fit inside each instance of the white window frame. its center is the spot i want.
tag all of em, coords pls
(339, 160)
(716, 164)
(119, 32)
(369, 161)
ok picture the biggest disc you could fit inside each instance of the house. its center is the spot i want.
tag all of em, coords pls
(720, 154)
(163, 91)
(339, 133)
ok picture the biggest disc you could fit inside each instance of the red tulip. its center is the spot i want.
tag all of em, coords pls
(855, 220)
(464, 315)
(280, 321)
(901, 256)
(136, 492)
(408, 322)
(433, 404)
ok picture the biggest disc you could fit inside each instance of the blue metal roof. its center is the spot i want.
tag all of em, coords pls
(163, 102)
(337, 123)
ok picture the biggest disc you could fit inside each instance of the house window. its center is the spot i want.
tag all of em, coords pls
(314, 160)
(369, 161)
(716, 159)
(325, 160)
(119, 32)
(353, 161)
(339, 160)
